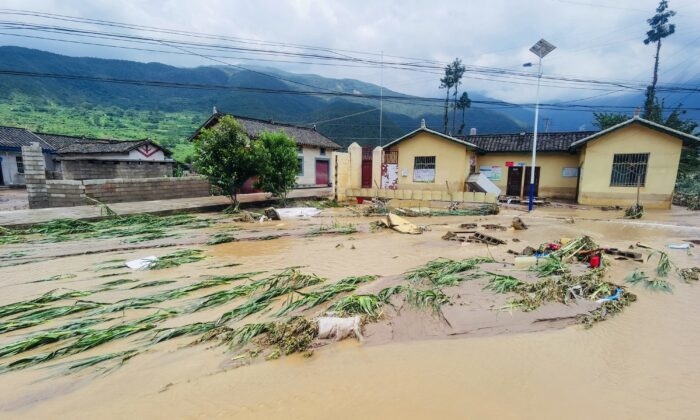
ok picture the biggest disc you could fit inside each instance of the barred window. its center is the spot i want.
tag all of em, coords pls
(300, 172)
(424, 169)
(20, 164)
(629, 170)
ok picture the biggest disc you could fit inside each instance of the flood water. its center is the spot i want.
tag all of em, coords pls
(641, 364)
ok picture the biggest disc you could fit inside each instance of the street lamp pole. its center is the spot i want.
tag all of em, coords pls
(540, 49)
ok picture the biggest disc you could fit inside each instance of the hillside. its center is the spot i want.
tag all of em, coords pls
(127, 107)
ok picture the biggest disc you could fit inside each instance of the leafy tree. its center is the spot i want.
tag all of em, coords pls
(660, 29)
(605, 120)
(225, 155)
(278, 164)
(458, 72)
(453, 76)
(463, 103)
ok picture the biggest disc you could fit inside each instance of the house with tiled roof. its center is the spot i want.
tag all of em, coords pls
(79, 158)
(634, 160)
(314, 149)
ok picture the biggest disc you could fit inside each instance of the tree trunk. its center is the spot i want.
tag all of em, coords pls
(454, 109)
(650, 99)
(447, 103)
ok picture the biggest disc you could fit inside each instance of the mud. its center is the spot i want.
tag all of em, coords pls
(486, 363)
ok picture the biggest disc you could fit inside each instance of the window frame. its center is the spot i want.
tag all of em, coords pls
(424, 163)
(629, 170)
(19, 162)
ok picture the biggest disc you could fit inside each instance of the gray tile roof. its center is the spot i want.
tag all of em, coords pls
(303, 136)
(82, 145)
(522, 142)
(15, 138)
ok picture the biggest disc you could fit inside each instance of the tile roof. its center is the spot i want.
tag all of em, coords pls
(303, 136)
(15, 138)
(423, 129)
(522, 142)
(82, 145)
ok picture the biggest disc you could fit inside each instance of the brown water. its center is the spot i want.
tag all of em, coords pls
(639, 365)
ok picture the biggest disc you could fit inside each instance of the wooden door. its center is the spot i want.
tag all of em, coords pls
(367, 167)
(515, 181)
(527, 180)
(322, 172)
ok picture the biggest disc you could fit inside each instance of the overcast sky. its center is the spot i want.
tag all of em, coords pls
(594, 40)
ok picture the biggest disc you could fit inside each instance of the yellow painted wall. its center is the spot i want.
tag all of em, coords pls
(552, 183)
(664, 154)
(340, 163)
(451, 162)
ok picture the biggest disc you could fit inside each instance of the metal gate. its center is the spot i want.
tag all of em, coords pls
(367, 167)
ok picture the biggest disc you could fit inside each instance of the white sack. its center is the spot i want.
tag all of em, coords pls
(339, 328)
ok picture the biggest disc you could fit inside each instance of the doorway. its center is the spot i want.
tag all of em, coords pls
(367, 167)
(2, 182)
(537, 180)
(515, 181)
(322, 172)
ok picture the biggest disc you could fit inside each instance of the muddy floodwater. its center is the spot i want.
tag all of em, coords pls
(640, 364)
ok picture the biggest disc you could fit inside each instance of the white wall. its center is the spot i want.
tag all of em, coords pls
(9, 169)
(310, 154)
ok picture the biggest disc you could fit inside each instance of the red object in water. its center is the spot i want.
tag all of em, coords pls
(594, 261)
(553, 246)
(360, 200)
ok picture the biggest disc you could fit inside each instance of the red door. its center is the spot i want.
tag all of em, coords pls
(367, 167)
(322, 172)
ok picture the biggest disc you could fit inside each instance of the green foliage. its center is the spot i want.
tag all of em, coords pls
(605, 120)
(277, 163)
(660, 28)
(225, 155)
(452, 79)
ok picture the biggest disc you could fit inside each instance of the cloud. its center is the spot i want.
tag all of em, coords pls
(595, 40)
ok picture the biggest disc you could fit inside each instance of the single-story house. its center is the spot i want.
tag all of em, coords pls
(608, 167)
(314, 149)
(78, 158)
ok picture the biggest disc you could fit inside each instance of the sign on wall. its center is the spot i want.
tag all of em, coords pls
(492, 172)
(569, 172)
(424, 175)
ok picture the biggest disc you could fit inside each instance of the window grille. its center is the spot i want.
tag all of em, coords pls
(424, 169)
(629, 170)
(20, 164)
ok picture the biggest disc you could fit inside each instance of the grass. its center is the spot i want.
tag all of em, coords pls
(41, 316)
(429, 298)
(153, 283)
(221, 238)
(334, 228)
(657, 284)
(177, 258)
(165, 334)
(122, 357)
(39, 302)
(446, 272)
(367, 305)
(49, 337)
(502, 284)
(324, 294)
(549, 266)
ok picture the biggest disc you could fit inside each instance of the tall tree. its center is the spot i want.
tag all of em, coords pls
(453, 77)
(225, 155)
(463, 103)
(457, 73)
(660, 29)
(605, 120)
(278, 164)
(446, 82)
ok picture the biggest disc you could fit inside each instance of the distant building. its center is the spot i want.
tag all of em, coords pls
(80, 158)
(314, 149)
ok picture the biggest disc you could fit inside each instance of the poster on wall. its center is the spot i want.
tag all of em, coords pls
(491, 172)
(390, 175)
(569, 172)
(424, 175)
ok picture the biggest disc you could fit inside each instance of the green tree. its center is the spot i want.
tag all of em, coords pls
(278, 164)
(660, 29)
(457, 73)
(453, 76)
(226, 156)
(463, 103)
(605, 120)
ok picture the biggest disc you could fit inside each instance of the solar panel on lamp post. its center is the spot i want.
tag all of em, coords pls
(540, 49)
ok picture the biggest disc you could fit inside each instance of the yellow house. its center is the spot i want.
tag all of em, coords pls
(427, 160)
(637, 159)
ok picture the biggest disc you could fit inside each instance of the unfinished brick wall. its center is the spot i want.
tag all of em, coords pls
(35, 176)
(108, 169)
(68, 193)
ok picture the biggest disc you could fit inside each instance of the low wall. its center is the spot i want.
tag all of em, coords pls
(422, 198)
(109, 169)
(67, 193)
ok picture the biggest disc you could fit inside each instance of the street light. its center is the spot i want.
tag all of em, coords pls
(540, 49)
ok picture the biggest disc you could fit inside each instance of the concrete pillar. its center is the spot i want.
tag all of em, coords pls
(377, 155)
(341, 181)
(355, 179)
(35, 176)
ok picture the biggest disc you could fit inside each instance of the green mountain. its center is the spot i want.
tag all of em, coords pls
(167, 103)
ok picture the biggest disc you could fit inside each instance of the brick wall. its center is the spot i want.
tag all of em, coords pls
(108, 169)
(35, 176)
(68, 193)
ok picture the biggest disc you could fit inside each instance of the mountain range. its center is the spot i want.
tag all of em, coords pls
(49, 92)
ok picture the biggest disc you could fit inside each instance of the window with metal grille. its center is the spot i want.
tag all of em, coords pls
(629, 170)
(424, 169)
(301, 166)
(20, 164)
